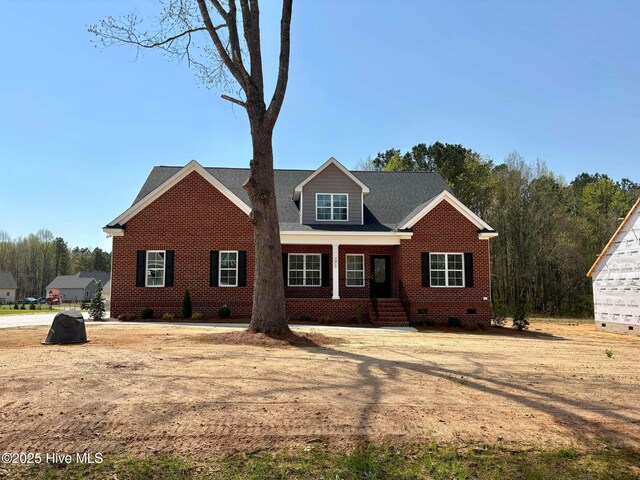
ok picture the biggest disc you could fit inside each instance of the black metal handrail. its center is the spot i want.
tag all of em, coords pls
(404, 299)
(374, 302)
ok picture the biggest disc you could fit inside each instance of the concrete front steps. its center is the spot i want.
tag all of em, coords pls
(390, 313)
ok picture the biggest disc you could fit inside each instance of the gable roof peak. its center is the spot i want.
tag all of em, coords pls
(332, 161)
(601, 256)
(181, 173)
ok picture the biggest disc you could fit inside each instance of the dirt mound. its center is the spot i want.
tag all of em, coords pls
(289, 339)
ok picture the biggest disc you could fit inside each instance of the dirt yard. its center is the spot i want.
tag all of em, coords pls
(144, 388)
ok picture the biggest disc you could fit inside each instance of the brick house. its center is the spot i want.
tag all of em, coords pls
(391, 247)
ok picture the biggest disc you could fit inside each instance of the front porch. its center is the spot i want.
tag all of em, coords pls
(344, 282)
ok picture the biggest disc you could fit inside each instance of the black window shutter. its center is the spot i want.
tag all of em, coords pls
(242, 268)
(426, 281)
(169, 263)
(468, 269)
(141, 266)
(325, 265)
(214, 258)
(285, 267)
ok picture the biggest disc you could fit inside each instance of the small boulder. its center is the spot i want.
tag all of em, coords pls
(67, 327)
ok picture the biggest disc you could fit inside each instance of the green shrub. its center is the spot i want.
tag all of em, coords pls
(167, 317)
(96, 307)
(32, 306)
(15, 306)
(23, 307)
(520, 321)
(187, 311)
(224, 312)
(423, 320)
(127, 317)
(147, 313)
(305, 317)
(609, 353)
(454, 322)
(197, 316)
(358, 316)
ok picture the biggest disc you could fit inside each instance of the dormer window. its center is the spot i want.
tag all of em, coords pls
(332, 206)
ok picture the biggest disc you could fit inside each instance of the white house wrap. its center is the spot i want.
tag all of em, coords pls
(616, 279)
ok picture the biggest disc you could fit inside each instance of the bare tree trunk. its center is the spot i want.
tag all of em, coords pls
(268, 312)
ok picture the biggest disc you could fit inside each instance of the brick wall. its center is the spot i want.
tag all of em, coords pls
(341, 310)
(191, 218)
(446, 230)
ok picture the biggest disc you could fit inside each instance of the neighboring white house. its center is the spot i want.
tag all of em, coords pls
(106, 294)
(616, 279)
(79, 287)
(8, 287)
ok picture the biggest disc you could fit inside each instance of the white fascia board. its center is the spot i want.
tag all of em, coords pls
(487, 235)
(114, 232)
(332, 161)
(455, 203)
(293, 237)
(192, 166)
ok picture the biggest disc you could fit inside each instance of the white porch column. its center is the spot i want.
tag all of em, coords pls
(336, 271)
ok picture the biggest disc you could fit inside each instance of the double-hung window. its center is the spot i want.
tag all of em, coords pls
(304, 270)
(228, 269)
(155, 268)
(446, 269)
(332, 206)
(355, 270)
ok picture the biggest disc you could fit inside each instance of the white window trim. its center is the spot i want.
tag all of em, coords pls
(304, 270)
(220, 267)
(446, 270)
(146, 269)
(346, 270)
(332, 207)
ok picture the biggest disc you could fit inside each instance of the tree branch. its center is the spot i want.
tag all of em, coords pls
(283, 71)
(234, 40)
(175, 37)
(234, 100)
(251, 24)
(222, 51)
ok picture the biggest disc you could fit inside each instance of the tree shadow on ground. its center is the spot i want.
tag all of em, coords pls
(496, 331)
(566, 411)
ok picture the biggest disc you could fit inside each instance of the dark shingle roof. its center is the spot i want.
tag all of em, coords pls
(69, 281)
(102, 277)
(393, 196)
(7, 280)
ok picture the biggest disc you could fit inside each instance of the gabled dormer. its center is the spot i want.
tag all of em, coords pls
(331, 195)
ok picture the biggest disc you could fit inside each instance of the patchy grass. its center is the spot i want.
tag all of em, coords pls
(8, 309)
(371, 462)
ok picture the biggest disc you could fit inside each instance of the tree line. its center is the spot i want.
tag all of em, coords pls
(550, 230)
(35, 260)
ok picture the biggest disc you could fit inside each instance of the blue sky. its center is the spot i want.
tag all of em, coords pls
(80, 128)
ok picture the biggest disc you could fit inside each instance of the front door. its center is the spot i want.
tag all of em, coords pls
(380, 276)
